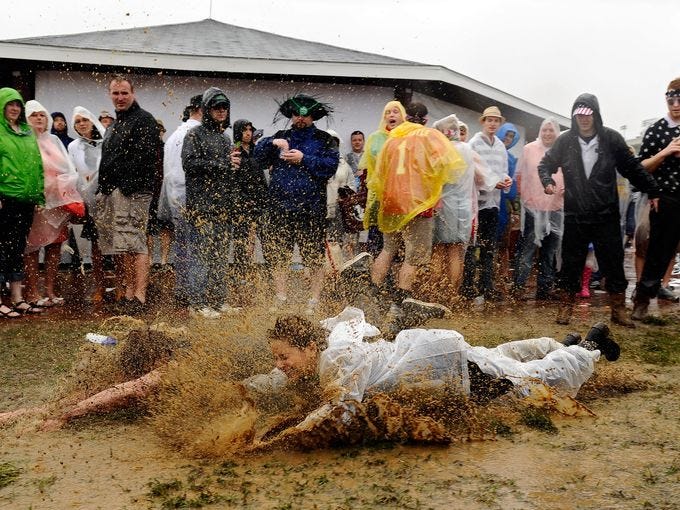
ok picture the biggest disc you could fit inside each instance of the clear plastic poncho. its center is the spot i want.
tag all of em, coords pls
(86, 155)
(60, 179)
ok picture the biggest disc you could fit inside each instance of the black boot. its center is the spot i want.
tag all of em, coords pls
(572, 338)
(598, 339)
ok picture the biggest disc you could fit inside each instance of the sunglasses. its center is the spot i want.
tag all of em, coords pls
(673, 100)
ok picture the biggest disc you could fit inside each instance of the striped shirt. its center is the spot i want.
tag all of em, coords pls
(496, 159)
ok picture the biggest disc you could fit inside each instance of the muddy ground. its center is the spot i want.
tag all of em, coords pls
(627, 456)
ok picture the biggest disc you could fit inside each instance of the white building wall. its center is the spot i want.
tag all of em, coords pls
(356, 106)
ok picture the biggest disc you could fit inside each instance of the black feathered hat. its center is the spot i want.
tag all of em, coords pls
(301, 104)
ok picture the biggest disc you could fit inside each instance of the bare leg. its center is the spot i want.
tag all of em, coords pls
(149, 246)
(381, 267)
(407, 276)
(32, 275)
(639, 264)
(52, 256)
(280, 276)
(166, 237)
(456, 253)
(121, 278)
(15, 292)
(141, 274)
(316, 285)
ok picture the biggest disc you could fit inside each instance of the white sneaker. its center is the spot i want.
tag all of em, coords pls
(230, 310)
(206, 312)
(361, 262)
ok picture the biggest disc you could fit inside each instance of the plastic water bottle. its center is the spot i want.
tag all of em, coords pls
(96, 338)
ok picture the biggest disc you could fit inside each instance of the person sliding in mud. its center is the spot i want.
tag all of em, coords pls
(347, 358)
(352, 362)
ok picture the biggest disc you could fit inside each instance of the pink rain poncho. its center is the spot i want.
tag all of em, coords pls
(410, 171)
(62, 199)
(548, 210)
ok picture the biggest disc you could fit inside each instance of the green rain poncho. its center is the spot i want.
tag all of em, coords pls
(21, 171)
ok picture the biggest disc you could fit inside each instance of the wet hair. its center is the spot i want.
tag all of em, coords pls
(298, 332)
(146, 349)
(120, 78)
(417, 113)
(357, 133)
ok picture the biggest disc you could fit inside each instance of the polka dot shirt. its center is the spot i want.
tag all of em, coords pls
(658, 136)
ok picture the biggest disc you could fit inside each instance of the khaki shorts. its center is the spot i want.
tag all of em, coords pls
(416, 237)
(121, 222)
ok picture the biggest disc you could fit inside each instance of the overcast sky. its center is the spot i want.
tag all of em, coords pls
(544, 51)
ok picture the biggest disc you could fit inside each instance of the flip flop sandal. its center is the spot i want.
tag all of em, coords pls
(43, 302)
(11, 314)
(28, 308)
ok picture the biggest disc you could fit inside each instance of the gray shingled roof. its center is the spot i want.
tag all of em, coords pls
(209, 38)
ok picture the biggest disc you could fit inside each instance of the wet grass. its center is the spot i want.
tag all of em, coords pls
(8, 474)
(35, 352)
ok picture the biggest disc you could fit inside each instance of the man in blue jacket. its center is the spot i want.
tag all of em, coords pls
(302, 159)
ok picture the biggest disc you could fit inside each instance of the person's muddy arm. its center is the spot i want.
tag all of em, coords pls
(116, 397)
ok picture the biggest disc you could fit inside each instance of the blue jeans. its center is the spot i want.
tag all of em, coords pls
(202, 262)
(545, 279)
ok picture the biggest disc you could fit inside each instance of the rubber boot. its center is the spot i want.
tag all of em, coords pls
(640, 305)
(585, 282)
(617, 302)
(565, 308)
(598, 339)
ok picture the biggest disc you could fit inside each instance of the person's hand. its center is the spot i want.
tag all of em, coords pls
(673, 148)
(281, 143)
(235, 158)
(654, 204)
(505, 183)
(549, 189)
(293, 156)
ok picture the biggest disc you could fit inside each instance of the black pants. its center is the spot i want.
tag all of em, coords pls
(606, 238)
(16, 218)
(487, 236)
(664, 235)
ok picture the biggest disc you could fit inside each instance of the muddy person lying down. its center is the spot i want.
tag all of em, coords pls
(355, 372)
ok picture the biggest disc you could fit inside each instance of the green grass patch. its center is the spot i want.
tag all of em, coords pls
(539, 420)
(8, 474)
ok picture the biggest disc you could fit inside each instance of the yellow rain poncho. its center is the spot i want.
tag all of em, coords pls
(408, 175)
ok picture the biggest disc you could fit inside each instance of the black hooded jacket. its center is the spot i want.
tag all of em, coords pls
(250, 185)
(592, 199)
(205, 159)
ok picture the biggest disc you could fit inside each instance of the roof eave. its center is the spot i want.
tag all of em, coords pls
(418, 72)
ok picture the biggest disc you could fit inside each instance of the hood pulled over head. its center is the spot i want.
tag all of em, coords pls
(34, 106)
(588, 101)
(213, 97)
(504, 130)
(239, 126)
(84, 112)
